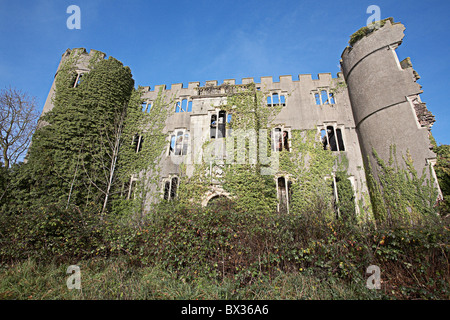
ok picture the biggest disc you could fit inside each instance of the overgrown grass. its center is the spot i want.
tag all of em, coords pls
(116, 279)
(180, 252)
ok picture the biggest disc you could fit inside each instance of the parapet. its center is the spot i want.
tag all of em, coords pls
(267, 81)
(83, 52)
(389, 35)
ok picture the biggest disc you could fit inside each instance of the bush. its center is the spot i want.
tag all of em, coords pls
(49, 234)
(221, 243)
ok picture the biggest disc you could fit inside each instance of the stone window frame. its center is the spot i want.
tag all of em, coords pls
(132, 187)
(147, 106)
(273, 137)
(172, 150)
(288, 184)
(432, 162)
(227, 118)
(336, 127)
(78, 78)
(179, 105)
(138, 145)
(282, 98)
(169, 194)
(317, 96)
(336, 195)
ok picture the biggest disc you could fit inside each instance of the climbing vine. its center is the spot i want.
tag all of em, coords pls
(72, 158)
(401, 195)
(142, 164)
(307, 165)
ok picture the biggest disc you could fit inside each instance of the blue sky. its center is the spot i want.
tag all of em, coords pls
(166, 42)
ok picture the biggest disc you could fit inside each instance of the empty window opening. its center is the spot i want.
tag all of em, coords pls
(79, 79)
(76, 80)
(172, 144)
(173, 187)
(323, 136)
(141, 142)
(284, 194)
(331, 98)
(183, 106)
(218, 124)
(213, 126)
(137, 142)
(324, 97)
(332, 139)
(222, 124)
(170, 187)
(317, 97)
(280, 140)
(286, 140)
(340, 140)
(166, 190)
(179, 141)
(275, 100)
(146, 106)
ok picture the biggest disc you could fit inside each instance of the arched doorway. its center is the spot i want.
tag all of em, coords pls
(220, 201)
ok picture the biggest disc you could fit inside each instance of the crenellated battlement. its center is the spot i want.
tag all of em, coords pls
(265, 81)
(83, 52)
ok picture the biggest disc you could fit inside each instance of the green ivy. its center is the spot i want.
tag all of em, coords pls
(400, 195)
(69, 157)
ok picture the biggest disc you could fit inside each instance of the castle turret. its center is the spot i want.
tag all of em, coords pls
(385, 98)
(80, 64)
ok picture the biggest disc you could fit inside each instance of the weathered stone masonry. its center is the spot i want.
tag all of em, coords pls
(378, 107)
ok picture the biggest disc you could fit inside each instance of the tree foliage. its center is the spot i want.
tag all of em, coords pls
(18, 118)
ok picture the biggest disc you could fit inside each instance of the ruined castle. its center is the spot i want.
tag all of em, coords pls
(373, 103)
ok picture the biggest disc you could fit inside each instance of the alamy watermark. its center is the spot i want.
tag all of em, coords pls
(74, 281)
(374, 281)
(241, 147)
(374, 21)
(74, 20)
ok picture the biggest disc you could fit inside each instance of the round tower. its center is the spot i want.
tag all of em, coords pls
(385, 98)
(81, 66)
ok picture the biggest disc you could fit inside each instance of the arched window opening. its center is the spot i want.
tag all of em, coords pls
(332, 139)
(170, 188)
(283, 194)
(280, 139)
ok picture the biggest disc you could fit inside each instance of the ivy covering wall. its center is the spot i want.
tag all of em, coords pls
(306, 165)
(72, 158)
(401, 194)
